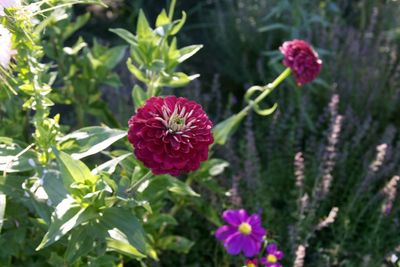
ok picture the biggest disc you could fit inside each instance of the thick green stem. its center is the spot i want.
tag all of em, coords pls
(171, 10)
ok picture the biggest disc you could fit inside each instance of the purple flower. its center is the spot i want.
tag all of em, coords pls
(301, 58)
(273, 256)
(243, 233)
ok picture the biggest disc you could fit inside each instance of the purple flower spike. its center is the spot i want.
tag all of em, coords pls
(273, 256)
(243, 233)
(301, 58)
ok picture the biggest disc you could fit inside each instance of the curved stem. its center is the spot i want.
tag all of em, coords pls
(267, 89)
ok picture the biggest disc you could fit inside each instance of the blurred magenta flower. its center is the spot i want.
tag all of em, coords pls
(302, 59)
(243, 233)
(170, 135)
(273, 256)
(251, 263)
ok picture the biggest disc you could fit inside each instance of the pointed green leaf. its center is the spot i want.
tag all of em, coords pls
(67, 216)
(73, 170)
(127, 223)
(143, 27)
(223, 130)
(118, 241)
(178, 26)
(139, 96)
(110, 165)
(188, 52)
(90, 140)
(135, 71)
(162, 19)
(126, 35)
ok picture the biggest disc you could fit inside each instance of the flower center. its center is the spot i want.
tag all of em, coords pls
(245, 228)
(251, 264)
(176, 123)
(271, 258)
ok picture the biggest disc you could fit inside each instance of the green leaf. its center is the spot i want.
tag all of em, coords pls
(79, 45)
(178, 79)
(66, 217)
(180, 188)
(139, 96)
(176, 243)
(126, 35)
(162, 19)
(159, 220)
(179, 24)
(112, 57)
(73, 170)
(223, 130)
(135, 71)
(188, 51)
(14, 159)
(80, 243)
(118, 241)
(143, 28)
(126, 223)
(90, 140)
(2, 209)
(72, 27)
(53, 186)
(110, 165)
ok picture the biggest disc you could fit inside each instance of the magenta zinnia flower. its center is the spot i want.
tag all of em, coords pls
(251, 263)
(243, 233)
(170, 135)
(273, 256)
(301, 58)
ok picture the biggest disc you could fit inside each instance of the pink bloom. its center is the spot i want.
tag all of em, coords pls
(243, 233)
(273, 256)
(251, 263)
(170, 135)
(301, 58)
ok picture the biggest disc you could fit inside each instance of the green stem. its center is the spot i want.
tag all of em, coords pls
(171, 10)
(137, 184)
(267, 89)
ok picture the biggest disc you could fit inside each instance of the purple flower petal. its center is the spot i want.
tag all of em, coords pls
(250, 247)
(234, 244)
(254, 220)
(272, 248)
(235, 217)
(279, 254)
(258, 232)
(224, 232)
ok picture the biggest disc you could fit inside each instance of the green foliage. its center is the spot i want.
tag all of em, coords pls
(73, 194)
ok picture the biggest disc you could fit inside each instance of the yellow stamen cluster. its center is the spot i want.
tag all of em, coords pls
(245, 228)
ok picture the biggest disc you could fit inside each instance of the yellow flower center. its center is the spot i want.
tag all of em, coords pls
(245, 228)
(271, 258)
(251, 264)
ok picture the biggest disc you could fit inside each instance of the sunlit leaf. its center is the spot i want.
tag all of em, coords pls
(67, 216)
(90, 140)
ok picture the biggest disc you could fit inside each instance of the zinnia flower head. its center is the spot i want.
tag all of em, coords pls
(251, 263)
(243, 233)
(273, 256)
(5, 47)
(302, 59)
(170, 135)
